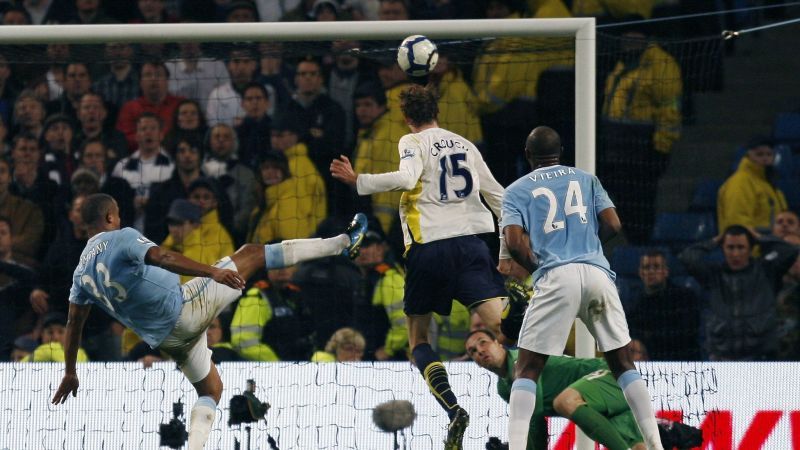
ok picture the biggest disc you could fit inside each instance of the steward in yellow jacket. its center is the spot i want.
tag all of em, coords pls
(458, 106)
(453, 331)
(270, 322)
(748, 198)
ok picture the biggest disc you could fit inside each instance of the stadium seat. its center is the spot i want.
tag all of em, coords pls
(629, 289)
(786, 129)
(679, 229)
(791, 190)
(704, 198)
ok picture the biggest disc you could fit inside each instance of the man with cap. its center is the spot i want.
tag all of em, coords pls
(554, 221)
(189, 238)
(58, 146)
(136, 282)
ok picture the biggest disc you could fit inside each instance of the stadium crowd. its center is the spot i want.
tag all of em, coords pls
(206, 147)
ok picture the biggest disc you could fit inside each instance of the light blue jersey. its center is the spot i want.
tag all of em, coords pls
(558, 206)
(112, 274)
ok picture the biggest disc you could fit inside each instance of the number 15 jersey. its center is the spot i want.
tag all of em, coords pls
(558, 206)
(113, 275)
(443, 175)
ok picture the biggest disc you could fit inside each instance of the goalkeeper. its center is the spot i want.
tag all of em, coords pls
(581, 390)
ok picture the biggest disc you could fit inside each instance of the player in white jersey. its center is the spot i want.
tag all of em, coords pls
(443, 175)
(554, 220)
(136, 282)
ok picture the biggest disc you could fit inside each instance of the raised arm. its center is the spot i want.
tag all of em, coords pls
(519, 246)
(177, 263)
(69, 383)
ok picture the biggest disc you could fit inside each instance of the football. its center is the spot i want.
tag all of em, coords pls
(417, 55)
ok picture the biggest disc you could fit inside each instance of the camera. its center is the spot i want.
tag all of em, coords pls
(246, 408)
(173, 434)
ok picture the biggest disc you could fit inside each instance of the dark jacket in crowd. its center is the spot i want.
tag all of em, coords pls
(741, 323)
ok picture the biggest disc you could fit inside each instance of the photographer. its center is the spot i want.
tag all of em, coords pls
(742, 315)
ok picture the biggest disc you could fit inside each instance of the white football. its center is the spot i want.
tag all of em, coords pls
(417, 55)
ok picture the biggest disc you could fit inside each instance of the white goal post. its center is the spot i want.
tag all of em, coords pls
(581, 29)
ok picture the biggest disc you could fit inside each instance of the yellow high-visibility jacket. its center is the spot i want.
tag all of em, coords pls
(377, 152)
(648, 93)
(453, 331)
(53, 352)
(294, 207)
(458, 107)
(208, 243)
(251, 315)
(614, 8)
(388, 293)
(748, 199)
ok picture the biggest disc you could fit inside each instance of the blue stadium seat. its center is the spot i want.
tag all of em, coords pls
(629, 289)
(786, 128)
(704, 198)
(791, 190)
(678, 229)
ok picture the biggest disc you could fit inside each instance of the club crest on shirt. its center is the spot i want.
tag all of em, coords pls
(407, 153)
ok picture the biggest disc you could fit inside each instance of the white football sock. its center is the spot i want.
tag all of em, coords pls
(294, 251)
(201, 420)
(635, 391)
(520, 406)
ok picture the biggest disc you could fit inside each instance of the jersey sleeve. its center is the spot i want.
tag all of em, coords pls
(512, 209)
(133, 245)
(404, 179)
(491, 190)
(601, 199)
(77, 295)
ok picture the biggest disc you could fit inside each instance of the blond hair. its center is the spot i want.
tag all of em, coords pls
(344, 336)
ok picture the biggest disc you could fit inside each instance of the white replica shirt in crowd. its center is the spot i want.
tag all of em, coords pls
(443, 175)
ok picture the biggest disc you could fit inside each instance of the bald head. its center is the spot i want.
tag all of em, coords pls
(543, 143)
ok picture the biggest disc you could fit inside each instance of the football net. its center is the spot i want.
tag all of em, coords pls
(268, 159)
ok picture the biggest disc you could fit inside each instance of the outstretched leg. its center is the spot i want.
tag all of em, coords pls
(209, 391)
(252, 257)
(522, 401)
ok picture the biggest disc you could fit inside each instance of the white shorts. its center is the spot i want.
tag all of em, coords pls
(203, 300)
(567, 292)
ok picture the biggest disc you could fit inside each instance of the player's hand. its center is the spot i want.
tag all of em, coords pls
(68, 384)
(38, 299)
(229, 278)
(504, 266)
(342, 170)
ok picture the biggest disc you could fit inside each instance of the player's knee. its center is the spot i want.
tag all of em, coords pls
(250, 249)
(567, 402)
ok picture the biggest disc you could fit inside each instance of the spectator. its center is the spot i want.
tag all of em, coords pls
(452, 331)
(32, 184)
(188, 157)
(155, 99)
(347, 73)
(48, 12)
(57, 55)
(25, 217)
(77, 82)
(218, 339)
(384, 322)
(458, 106)
(271, 322)
(147, 165)
(393, 10)
(17, 16)
(60, 161)
(273, 10)
(93, 156)
(275, 75)
(54, 331)
(193, 75)
(206, 243)
(786, 223)
(641, 120)
(345, 345)
(152, 11)
(16, 282)
(23, 347)
(505, 82)
(789, 308)
(92, 114)
(254, 131)
(749, 197)
(225, 101)
(190, 124)
(242, 11)
(376, 148)
(8, 92)
(328, 287)
(214, 204)
(321, 122)
(89, 12)
(301, 13)
(295, 207)
(29, 114)
(666, 317)
(325, 11)
(236, 179)
(741, 323)
(273, 168)
(121, 84)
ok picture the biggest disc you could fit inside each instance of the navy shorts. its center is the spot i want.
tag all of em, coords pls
(458, 268)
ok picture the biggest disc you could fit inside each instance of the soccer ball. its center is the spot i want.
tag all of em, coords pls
(417, 55)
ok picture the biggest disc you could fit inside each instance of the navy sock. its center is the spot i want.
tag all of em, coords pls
(435, 375)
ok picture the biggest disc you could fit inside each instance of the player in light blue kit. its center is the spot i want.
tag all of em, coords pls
(136, 282)
(554, 221)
